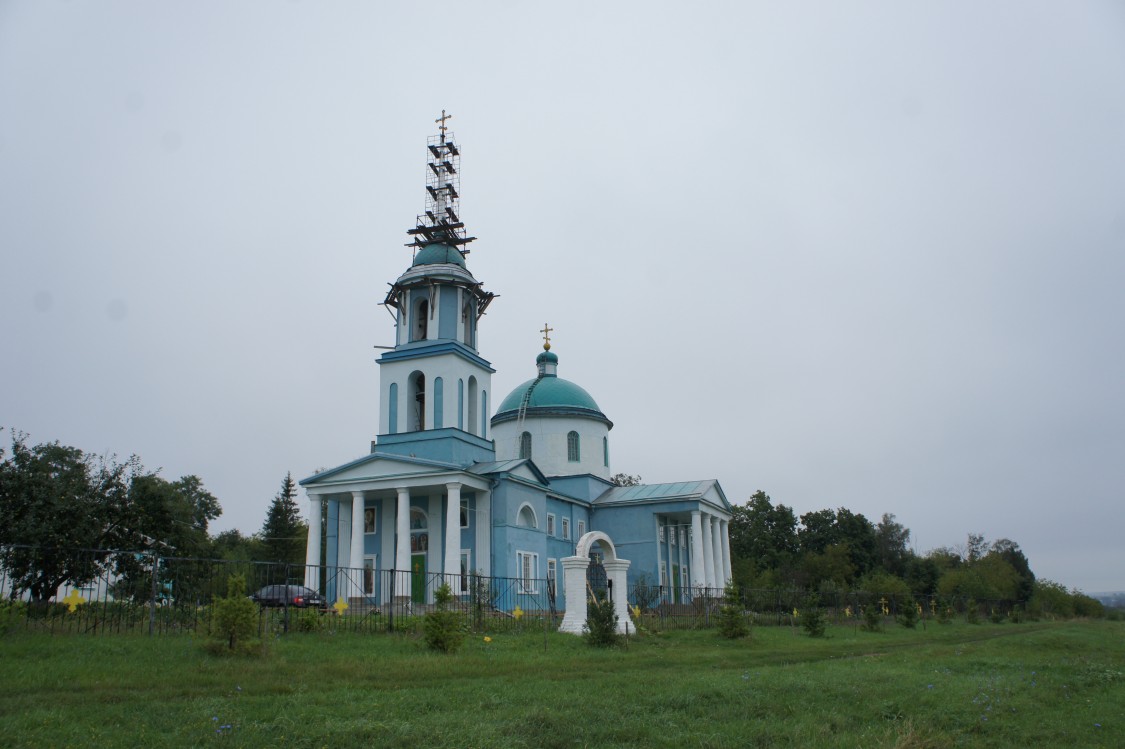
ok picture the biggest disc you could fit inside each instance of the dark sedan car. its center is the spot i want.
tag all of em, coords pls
(293, 595)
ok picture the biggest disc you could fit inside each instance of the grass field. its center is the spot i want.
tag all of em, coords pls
(1028, 685)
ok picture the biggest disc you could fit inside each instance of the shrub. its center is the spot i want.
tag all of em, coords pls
(872, 618)
(996, 616)
(442, 628)
(310, 620)
(908, 614)
(234, 627)
(972, 611)
(944, 612)
(732, 621)
(601, 624)
(1016, 614)
(813, 619)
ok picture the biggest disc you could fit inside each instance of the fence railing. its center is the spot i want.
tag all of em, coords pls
(148, 593)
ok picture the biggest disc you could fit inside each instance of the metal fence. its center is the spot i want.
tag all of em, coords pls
(146, 593)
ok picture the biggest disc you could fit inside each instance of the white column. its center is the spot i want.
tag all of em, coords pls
(312, 549)
(574, 580)
(452, 567)
(616, 570)
(725, 537)
(708, 552)
(717, 543)
(698, 578)
(482, 517)
(355, 561)
(402, 547)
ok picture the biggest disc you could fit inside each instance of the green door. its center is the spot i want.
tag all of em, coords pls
(418, 578)
(675, 583)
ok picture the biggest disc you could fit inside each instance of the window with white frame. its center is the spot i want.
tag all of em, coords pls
(672, 536)
(573, 449)
(552, 570)
(527, 565)
(683, 537)
(566, 527)
(550, 524)
(664, 574)
(660, 533)
(581, 528)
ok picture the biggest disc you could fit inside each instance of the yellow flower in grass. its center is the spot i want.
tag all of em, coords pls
(487, 639)
(636, 612)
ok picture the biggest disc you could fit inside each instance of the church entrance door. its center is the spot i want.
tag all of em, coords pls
(418, 578)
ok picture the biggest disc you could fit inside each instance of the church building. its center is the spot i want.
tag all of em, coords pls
(450, 490)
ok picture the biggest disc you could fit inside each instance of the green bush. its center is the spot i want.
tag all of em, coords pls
(996, 616)
(812, 619)
(732, 620)
(234, 627)
(601, 624)
(443, 628)
(972, 611)
(873, 617)
(309, 620)
(908, 614)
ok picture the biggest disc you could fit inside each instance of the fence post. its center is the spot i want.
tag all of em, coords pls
(152, 596)
(391, 608)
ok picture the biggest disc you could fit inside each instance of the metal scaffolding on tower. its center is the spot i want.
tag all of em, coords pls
(441, 221)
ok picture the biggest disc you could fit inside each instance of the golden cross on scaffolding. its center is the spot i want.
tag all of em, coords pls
(546, 331)
(441, 121)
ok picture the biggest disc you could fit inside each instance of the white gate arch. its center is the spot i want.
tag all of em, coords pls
(574, 575)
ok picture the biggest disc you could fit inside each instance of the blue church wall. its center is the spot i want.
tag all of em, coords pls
(584, 486)
(508, 537)
(446, 445)
(447, 322)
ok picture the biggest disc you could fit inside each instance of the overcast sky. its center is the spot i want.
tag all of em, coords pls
(862, 255)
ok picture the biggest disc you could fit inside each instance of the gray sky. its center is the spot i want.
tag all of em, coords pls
(853, 254)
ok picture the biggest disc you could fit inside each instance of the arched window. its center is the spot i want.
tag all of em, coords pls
(439, 403)
(472, 405)
(525, 445)
(605, 450)
(421, 320)
(526, 517)
(416, 402)
(460, 404)
(573, 449)
(468, 320)
(392, 409)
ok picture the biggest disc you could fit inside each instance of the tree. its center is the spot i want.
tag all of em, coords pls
(891, 539)
(1010, 552)
(763, 534)
(284, 535)
(59, 505)
(624, 479)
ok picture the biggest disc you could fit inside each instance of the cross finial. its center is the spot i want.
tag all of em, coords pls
(441, 122)
(546, 331)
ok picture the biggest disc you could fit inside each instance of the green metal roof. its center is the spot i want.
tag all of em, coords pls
(551, 392)
(433, 254)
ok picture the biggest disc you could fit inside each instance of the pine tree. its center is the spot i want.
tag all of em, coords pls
(284, 534)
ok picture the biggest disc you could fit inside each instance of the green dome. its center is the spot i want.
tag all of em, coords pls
(551, 396)
(547, 356)
(433, 254)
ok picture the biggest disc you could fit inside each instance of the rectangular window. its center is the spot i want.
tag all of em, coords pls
(660, 533)
(683, 578)
(464, 513)
(369, 576)
(581, 528)
(551, 524)
(663, 574)
(369, 520)
(552, 569)
(566, 527)
(683, 537)
(465, 571)
(527, 564)
(672, 536)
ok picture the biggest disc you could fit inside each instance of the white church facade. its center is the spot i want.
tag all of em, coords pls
(450, 490)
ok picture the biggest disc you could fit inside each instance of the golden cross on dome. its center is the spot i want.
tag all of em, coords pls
(441, 121)
(546, 331)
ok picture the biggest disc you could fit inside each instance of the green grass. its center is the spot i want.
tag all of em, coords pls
(1040, 684)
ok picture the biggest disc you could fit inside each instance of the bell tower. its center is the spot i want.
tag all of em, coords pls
(434, 386)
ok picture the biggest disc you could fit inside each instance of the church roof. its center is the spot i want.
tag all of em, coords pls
(436, 254)
(660, 492)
